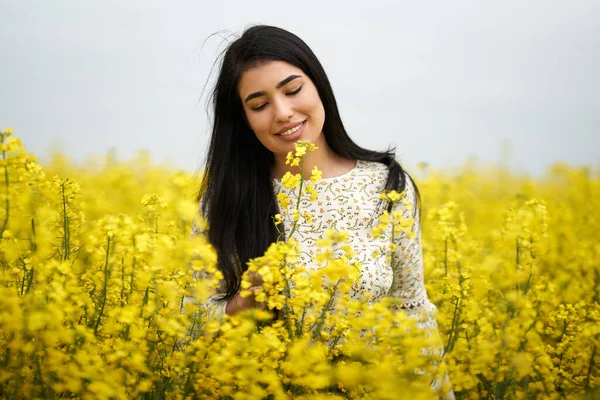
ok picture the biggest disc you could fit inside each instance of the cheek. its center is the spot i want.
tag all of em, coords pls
(260, 123)
(253, 120)
(314, 104)
(317, 110)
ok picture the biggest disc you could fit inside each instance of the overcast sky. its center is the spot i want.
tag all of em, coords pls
(442, 81)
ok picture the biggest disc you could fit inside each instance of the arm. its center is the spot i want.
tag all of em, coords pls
(409, 283)
(407, 263)
(214, 306)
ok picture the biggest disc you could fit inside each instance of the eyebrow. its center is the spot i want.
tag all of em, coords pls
(279, 85)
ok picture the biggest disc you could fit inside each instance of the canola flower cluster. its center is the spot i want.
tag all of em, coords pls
(98, 266)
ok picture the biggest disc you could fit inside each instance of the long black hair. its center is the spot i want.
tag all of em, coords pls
(236, 194)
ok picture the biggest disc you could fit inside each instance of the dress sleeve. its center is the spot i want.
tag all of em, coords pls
(409, 283)
(214, 307)
(407, 263)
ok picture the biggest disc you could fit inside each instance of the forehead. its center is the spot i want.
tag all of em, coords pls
(265, 76)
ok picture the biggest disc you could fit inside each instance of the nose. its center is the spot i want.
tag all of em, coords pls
(283, 110)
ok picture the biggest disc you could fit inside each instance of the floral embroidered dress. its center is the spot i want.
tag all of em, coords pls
(351, 202)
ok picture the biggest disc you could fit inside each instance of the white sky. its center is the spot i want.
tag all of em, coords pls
(442, 81)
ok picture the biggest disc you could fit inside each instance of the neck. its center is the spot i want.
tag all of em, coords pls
(330, 163)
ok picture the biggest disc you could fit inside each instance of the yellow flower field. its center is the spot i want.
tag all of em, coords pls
(99, 292)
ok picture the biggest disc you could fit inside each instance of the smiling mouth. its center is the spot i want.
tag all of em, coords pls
(292, 130)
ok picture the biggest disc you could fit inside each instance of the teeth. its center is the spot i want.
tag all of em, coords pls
(290, 131)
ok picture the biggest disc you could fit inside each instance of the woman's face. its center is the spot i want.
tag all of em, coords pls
(282, 106)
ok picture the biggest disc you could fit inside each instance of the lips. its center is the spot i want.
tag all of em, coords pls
(289, 126)
(294, 134)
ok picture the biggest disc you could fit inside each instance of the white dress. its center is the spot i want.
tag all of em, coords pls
(352, 202)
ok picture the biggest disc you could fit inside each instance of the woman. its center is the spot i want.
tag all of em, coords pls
(271, 92)
(270, 82)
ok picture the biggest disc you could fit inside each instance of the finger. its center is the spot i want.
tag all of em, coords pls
(252, 277)
(256, 280)
(260, 305)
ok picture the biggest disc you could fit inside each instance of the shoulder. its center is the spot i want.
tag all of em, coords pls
(409, 201)
(372, 167)
(367, 178)
(380, 170)
(372, 172)
(410, 190)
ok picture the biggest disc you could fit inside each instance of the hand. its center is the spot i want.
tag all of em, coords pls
(239, 303)
(255, 279)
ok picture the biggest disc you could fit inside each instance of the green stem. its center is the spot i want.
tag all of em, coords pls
(104, 289)
(29, 279)
(446, 273)
(66, 237)
(6, 201)
(451, 340)
(499, 388)
(457, 310)
(590, 368)
(299, 197)
(393, 253)
(23, 281)
(335, 342)
(286, 313)
(517, 259)
(33, 237)
(560, 358)
(316, 327)
(294, 227)
(145, 300)
(301, 324)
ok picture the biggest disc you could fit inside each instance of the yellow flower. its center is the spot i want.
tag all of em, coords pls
(308, 217)
(289, 157)
(284, 200)
(290, 180)
(117, 304)
(300, 151)
(316, 175)
(392, 196)
(313, 192)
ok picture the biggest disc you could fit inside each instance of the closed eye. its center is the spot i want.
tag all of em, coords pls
(292, 93)
(259, 107)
